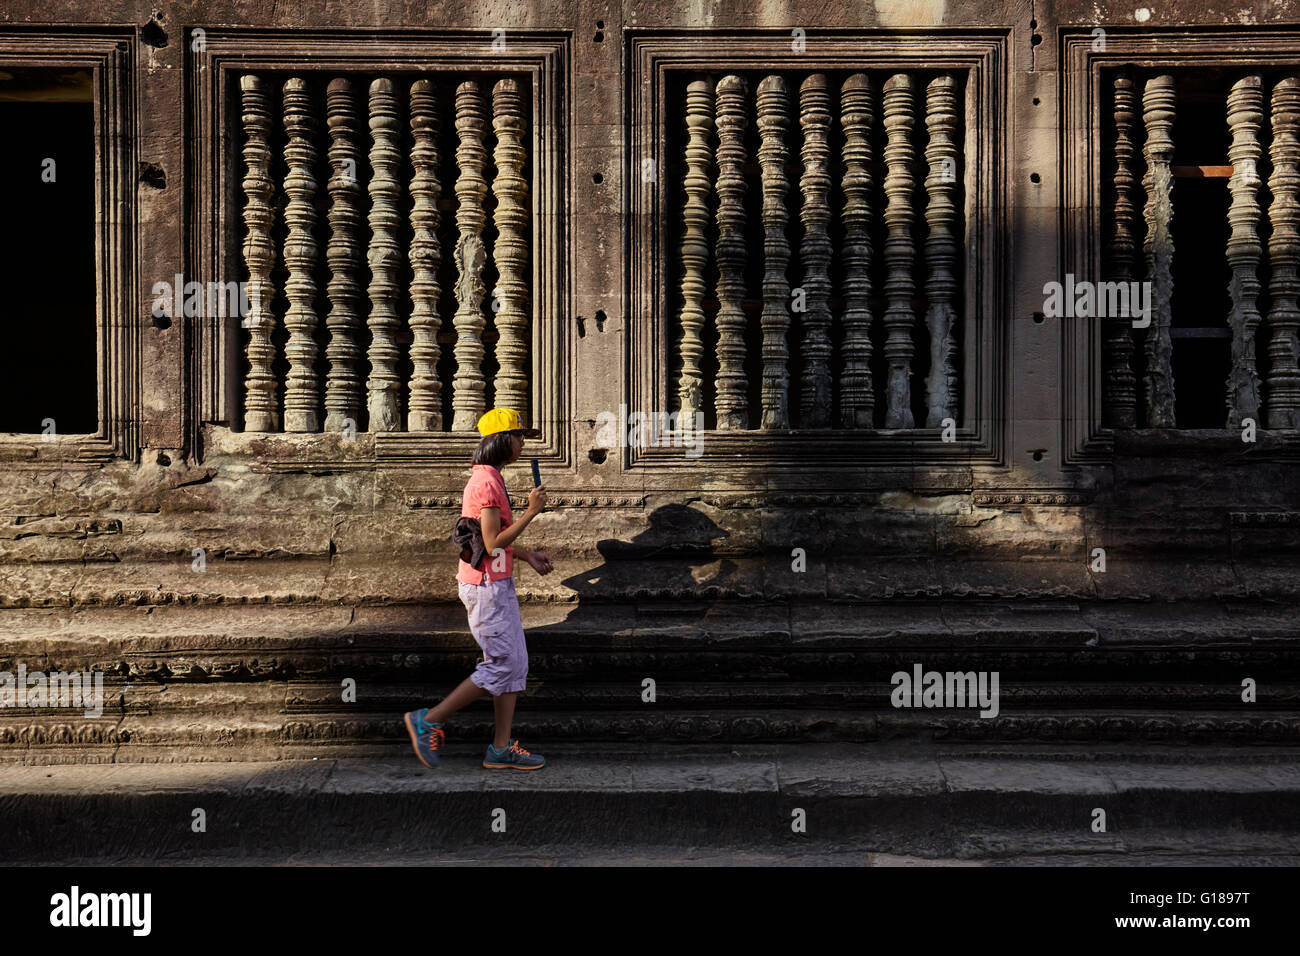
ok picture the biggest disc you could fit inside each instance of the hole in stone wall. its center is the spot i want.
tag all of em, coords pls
(152, 34)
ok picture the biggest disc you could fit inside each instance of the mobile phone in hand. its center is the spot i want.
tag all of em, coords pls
(537, 474)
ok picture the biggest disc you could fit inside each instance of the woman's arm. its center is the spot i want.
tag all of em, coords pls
(490, 521)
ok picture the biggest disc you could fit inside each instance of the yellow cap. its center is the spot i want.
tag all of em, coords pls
(504, 420)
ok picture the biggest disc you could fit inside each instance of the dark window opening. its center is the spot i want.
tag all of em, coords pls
(49, 363)
(1201, 303)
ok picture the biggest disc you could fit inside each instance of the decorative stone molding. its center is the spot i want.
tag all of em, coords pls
(261, 404)
(899, 251)
(997, 499)
(1158, 105)
(695, 251)
(815, 252)
(301, 394)
(344, 384)
(425, 405)
(1245, 115)
(1121, 384)
(857, 393)
(383, 257)
(554, 500)
(941, 247)
(773, 119)
(468, 401)
(1272, 519)
(731, 119)
(1283, 384)
(510, 298)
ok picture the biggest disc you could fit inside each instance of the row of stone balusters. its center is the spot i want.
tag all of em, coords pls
(346, 388)
(724, 108)
(1245, 115)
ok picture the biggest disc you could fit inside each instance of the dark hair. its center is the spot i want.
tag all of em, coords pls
(495, 449)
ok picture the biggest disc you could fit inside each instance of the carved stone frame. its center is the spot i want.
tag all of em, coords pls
(985, 365)
(1084, 439)
(107, 53)
(214, 164)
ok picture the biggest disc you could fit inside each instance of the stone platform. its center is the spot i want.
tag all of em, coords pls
(639, 803)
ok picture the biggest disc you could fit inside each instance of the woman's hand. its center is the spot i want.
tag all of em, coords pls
(537, 499)
(539, 561)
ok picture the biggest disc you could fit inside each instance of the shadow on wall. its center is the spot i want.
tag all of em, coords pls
(672, 561)
(662, 559)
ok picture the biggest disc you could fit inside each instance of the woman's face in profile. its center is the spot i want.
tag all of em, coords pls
(518, 444)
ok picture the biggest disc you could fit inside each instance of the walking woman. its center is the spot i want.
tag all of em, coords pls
(487, 589)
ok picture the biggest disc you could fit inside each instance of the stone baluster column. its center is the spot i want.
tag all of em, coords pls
(344, 385)
(899, 251)
(857, 398)
(261, 404)
(302, 390)
(732, 401)
(511, 249)
(695, 248)
(384, 258)
(773, 120)
(424, 412)
(1245, 114)
(1284, 258)
(469, 394)
(1120, 399)
(815, 251)
(1158, 104)
(941, 248)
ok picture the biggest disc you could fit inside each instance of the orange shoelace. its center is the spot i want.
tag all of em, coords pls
(435, 738)
(519, 750)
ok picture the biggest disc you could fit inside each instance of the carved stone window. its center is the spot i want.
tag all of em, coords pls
(819, 266)
(390, 205)
(71, 371)
(1191, 174)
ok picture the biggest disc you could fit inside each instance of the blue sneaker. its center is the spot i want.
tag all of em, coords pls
(514, 757)
(426, 738)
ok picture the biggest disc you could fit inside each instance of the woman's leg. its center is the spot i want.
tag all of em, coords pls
(466, 693)
(503, 709)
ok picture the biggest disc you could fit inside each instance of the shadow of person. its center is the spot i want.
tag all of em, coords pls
(646, 595)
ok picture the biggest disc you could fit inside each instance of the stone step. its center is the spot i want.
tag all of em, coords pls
(261, 682)
(267, 734)
(951, 802)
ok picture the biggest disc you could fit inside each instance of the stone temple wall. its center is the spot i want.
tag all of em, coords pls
(810, 546)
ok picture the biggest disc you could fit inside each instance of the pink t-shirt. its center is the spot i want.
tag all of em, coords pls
(486, 489)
